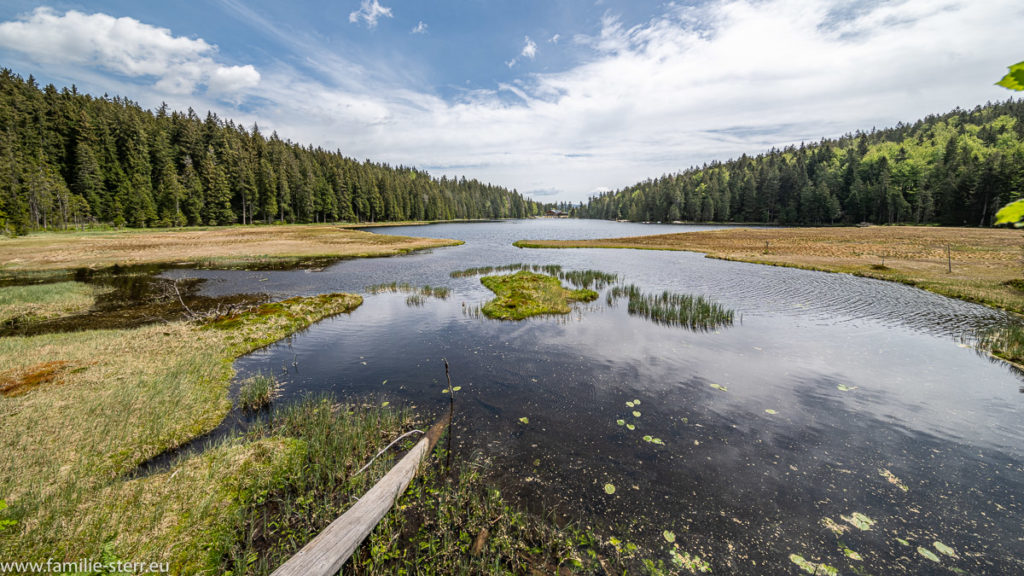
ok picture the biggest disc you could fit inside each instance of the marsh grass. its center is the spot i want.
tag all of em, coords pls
(36, 302)
(525, 294)
(120, 398)
(693, 312)
(579, 278)
(257, 392)
(1005, 341)
(421, 292)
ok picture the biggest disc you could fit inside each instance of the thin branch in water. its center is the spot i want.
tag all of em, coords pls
(385, 449)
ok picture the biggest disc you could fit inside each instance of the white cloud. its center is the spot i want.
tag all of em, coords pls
(554, 39)
(529, 49)
(127, 47)
(370, 11)
(420, 28)
(691, 85)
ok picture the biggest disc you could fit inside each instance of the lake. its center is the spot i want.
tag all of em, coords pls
(834, 403)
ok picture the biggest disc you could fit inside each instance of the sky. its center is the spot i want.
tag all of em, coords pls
(557, 99)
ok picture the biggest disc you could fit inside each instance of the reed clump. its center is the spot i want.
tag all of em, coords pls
(439, 292)
(1005, 341)
(688, 311)
(258, 392)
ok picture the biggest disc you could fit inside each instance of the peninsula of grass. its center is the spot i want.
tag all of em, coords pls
(37, 302)
(79, 411)
(213, 247)
(985, 262)
(525, 294)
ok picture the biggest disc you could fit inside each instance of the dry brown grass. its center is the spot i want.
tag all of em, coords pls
(227, 246)
(983, 260)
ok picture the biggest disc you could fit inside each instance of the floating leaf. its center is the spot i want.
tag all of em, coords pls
(719, 387)
(620, 422)
(384, 382)
(445, 391)
(385, 403)
(927, 554)
(770, 411)
(885, 473)
(524, 420)
(834, 527)
(859, 521)
(630, 404)
(845, 388)
(809, 567)
(636, 413)
(693, 564)
(669, 536)
(636, 402)
(648, 438)
(658, 441)
(609, 488)
(851, 554)
(944, 549)
(536, 462)
(902, 541)
(456, 389)
(630, 426)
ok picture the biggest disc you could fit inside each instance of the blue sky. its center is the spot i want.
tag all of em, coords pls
(558, 99)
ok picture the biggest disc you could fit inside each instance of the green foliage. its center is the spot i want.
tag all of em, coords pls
(72, 160)
(1012, 213)
(956, 169)
(257, 392)
(1014, 79)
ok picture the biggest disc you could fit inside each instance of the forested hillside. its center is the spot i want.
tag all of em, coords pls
(958, 168)
(69, 159)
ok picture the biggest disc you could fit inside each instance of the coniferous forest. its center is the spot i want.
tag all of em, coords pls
(955, 169)
(70, 159)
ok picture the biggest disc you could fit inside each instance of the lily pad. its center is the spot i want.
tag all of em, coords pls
(845, 388)
(944, 549)
(630, 404)
(859, 521)
(719, 387)
(902, 541)
(609, 488)
(835, 527)
(648, 438)
(669, 536)
(384, 404)
(657, 441)
(636, 413)
(770, 411)
(812, 568)
(524, 420)
(630, 427)
(852, 555)
(620, 422)
(927, 554)
(636, 402)
(885, 473)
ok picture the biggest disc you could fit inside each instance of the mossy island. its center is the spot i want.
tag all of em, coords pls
(525, 294)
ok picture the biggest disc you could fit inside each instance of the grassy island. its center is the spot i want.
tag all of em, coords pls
(526, 294)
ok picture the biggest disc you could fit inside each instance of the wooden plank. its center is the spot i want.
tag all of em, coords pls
(325, 554)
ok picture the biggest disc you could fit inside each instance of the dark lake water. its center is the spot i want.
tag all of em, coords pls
(842, 395)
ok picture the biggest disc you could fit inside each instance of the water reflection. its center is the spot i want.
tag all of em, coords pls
(832, 394)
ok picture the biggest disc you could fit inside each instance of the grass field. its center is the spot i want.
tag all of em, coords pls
(214, 247)
(986, 263)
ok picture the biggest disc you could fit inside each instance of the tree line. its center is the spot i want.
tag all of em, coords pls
(957, 168)
(70, 159)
